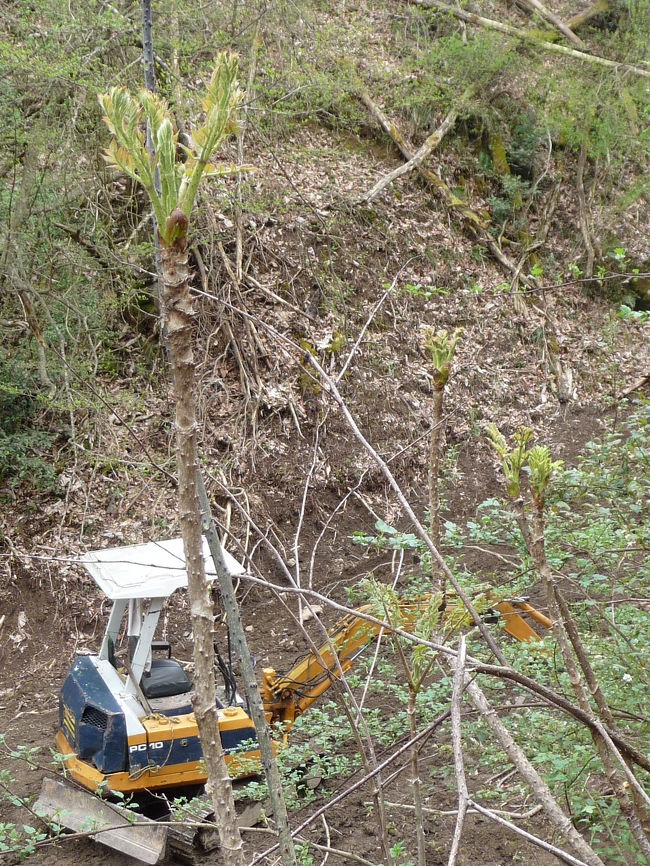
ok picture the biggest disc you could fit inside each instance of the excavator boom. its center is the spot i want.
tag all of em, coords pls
(287, 696)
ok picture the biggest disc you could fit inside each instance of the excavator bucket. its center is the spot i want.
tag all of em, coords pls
(515, 625)
(115, 826)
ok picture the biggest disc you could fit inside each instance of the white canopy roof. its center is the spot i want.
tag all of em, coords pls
(151, 570)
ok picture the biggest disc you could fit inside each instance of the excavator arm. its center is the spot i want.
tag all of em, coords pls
(287, 696)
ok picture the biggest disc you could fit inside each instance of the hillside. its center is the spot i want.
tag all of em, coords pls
(526, 227)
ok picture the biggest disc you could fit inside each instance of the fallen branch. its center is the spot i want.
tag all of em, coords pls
(536, 6)
(590, 12)
(418, 157)
(451, 201)
(520, 816)
(640, 383)
(531, 38)
(475, 224)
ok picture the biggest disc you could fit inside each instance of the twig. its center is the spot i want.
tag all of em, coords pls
(238, 209)
(328, 849)
(301, 517)
(362, 700)
(563, 855)
(522, 816)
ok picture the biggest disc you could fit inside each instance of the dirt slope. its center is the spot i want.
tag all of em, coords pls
(328, 262)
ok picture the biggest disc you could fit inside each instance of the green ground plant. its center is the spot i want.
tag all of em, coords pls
(597, 527)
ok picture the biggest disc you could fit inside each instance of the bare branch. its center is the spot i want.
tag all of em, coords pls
(457, 743)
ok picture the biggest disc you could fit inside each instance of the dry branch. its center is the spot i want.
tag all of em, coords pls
(536, 6)
(417, 159)
(590, 12)
(451, 201)
(531, 38)
(475, 224)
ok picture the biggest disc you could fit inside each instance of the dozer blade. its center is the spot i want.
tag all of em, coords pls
(114, 826)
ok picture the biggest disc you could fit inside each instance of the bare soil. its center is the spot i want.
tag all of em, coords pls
(328, 261)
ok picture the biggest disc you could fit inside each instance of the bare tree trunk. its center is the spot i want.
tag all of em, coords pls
(415, 780)
(251, 688)
(179, 313)
(457, 743)
(34, 326)
(583, 212)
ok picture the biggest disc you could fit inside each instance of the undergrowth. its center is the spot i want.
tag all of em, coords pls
(598, 524)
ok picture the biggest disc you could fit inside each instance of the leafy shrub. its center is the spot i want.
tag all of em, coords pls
(24, 457)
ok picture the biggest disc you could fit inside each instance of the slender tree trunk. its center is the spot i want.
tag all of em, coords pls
(147, 45)
(196, 517)
(251, 687)
(415, 781)
(179, 313)
(434, 476)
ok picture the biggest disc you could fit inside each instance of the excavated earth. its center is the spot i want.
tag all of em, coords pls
(319, 266)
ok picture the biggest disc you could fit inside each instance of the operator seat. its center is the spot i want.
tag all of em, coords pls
(165, 679)
(167, 688)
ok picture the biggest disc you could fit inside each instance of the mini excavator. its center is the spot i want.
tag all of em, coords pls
(126, 723)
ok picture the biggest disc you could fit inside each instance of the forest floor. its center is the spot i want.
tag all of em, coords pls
(286, 455)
